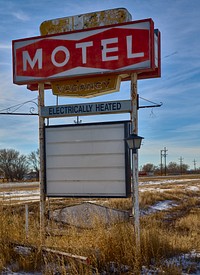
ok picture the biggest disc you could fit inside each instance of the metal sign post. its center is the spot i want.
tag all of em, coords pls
(42, 178)
(135, 193)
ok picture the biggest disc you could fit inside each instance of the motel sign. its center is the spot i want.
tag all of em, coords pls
(117, 49)
(96, 158)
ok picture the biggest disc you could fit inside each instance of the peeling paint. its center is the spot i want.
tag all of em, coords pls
(85, 21)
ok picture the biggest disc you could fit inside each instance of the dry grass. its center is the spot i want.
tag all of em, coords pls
(163, 234)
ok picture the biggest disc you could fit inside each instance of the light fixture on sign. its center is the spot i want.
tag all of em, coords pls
(134, 141)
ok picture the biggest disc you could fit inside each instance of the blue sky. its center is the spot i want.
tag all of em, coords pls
(175, 125)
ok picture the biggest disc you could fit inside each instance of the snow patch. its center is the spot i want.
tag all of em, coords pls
(159, 206)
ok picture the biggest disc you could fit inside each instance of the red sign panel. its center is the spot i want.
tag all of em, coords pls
(116, 49)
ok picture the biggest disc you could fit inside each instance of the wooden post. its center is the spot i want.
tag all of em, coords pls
(26, 221)
(41, 146)
(135, 192)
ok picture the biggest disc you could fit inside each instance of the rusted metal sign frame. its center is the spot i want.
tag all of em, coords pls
(85, 21)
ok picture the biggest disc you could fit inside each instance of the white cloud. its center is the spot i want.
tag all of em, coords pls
(20, 15)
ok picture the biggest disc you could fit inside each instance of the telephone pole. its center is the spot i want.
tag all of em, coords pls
(163, 154)
(181, 165)
(194, 161)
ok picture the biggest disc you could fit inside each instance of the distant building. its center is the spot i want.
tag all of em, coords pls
(31, 176)
(145, 174)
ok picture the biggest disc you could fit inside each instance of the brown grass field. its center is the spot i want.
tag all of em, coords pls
(108, 249)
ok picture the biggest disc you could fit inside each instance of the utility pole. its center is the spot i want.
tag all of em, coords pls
(181, 165)
(194, 161)
(163, 154)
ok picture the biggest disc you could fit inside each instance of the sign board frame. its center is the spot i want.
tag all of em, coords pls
(95, 163)
(157, 71)
(24, 64)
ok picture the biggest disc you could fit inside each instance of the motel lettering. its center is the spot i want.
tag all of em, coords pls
(61, 55)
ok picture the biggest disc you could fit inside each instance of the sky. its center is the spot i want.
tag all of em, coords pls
(174, 126)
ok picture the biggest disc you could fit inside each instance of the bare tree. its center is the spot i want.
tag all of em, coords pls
(13, 165)
(174, 168)
(149, 167)
(34, 161)
(21, 167)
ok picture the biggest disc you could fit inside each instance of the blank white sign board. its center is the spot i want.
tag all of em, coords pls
(87, 160)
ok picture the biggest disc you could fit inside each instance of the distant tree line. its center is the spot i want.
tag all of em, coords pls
(15, 166)
(171, 168)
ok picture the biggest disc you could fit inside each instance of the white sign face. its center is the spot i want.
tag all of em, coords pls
(88, 160)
